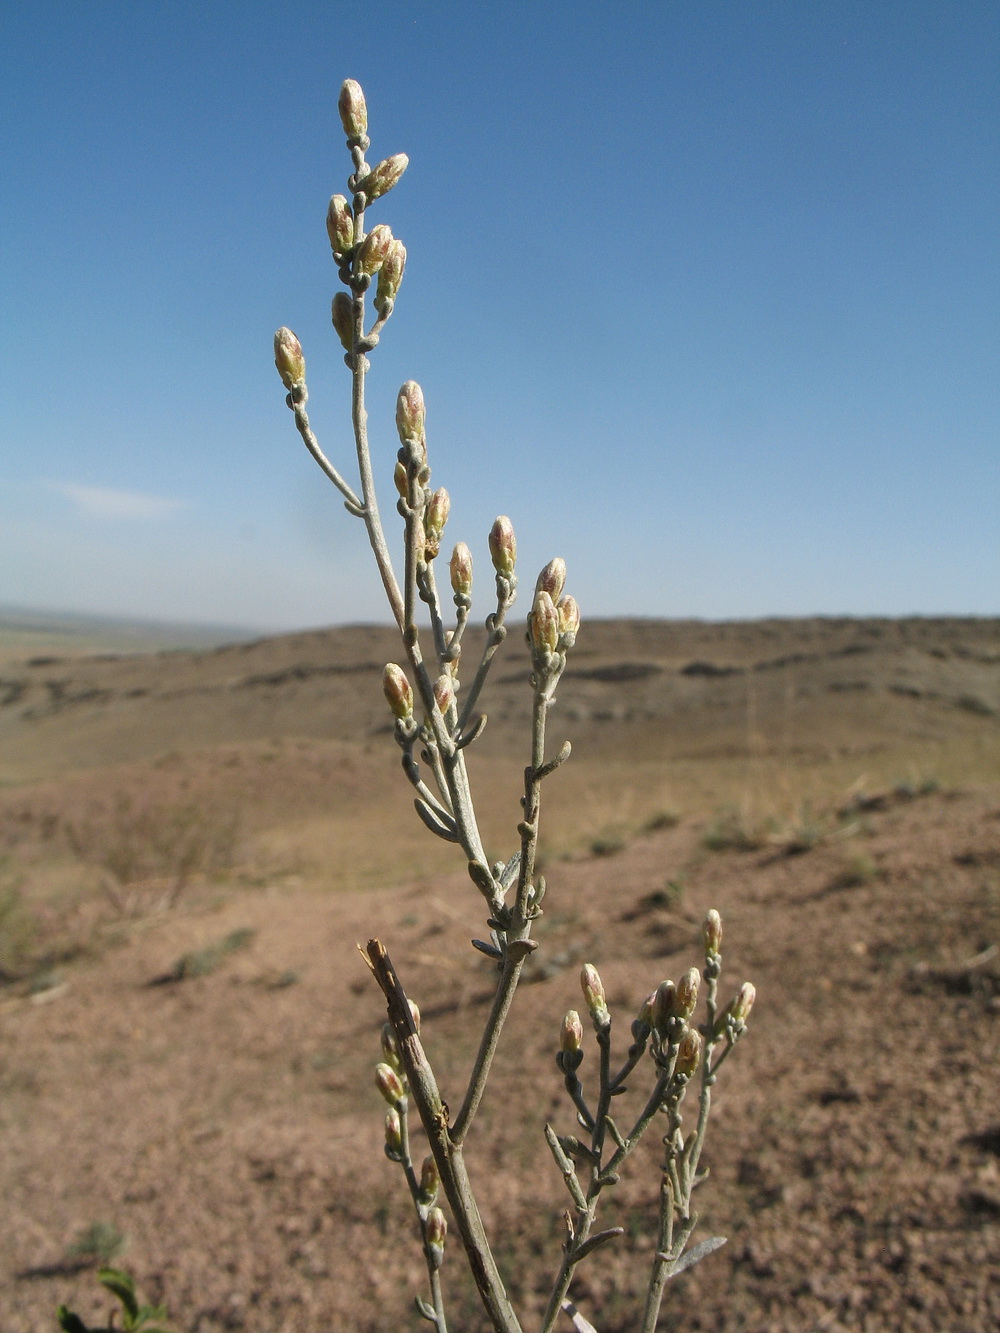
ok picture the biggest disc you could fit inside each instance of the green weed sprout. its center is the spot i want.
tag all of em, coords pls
(136, 1318)
(434, 707)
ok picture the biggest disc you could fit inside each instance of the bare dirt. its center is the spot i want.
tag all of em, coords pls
(220, 1111)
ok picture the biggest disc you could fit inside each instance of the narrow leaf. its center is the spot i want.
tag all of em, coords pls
(592, 1242)
(434, 822)
(70, 1322)
(121, 1285)
(576, 1318)
(694, 1256)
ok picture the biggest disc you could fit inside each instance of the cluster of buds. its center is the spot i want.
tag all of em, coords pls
(553, 622)
(675, 1044)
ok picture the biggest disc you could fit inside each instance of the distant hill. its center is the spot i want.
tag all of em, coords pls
(652, 689)
(27, 632)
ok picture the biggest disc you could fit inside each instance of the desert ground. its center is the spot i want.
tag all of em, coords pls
(192, 841)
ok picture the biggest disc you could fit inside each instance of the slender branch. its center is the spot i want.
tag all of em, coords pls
(448, 1156)
(433, 1269)
(297, 404)
(516, 952)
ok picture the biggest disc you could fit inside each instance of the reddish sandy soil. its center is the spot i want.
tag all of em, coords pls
(229, 1125)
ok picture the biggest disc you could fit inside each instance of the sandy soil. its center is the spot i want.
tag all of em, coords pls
(228, 1123)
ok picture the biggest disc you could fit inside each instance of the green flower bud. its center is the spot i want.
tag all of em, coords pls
(742, 1002)
(383, 177)
(571, 1033)
(288, 358)
(389, 1084)
(503, 546)
(642, 1024)
(342, 314)
(689, 1053)
(410, 412)
(397, 691)
(569, 621)
(390, 1048)
(543, 625)
(444, 692)
(390, 275)
(373, 250)
(429, 1181)
(687, 993)
(712, 933)
(436, 1230)
(461, 570)
(353, 110)
(393, 1135)
(663, 1005)
(399, 477)
(593, 993)
(435, 517)
(340, 225)
(552, 579)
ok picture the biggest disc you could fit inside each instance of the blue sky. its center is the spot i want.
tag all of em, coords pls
(703, 295)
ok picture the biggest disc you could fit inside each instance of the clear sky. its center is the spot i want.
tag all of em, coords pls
(703, 295)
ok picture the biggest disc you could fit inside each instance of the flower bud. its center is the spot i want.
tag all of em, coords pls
(543, 625)
(687, 993)
(342, 314)
(742, 1002)
(353, 111)
(664, 998)
(389, 1084)
(503, 546)
(390, 275)
(644, 1018)
(593, 993)
(712, 933)
(399, 477)
(444, 692)
(461, 570)
(390, 1048)
(688, 1053)
(429, 1181)
(569, 621)
(415, 1015)
(435, 517)
(571, 1033)
(393, 1135)
(410, 412)
(340, 224)
(374, 248)
(436, 1230)
(552, 579)
(288, 358)
(383, 177)
(397, 691)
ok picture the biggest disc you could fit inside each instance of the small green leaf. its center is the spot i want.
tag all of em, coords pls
(122, 1285)
(152, 1312)
(70, 1322)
